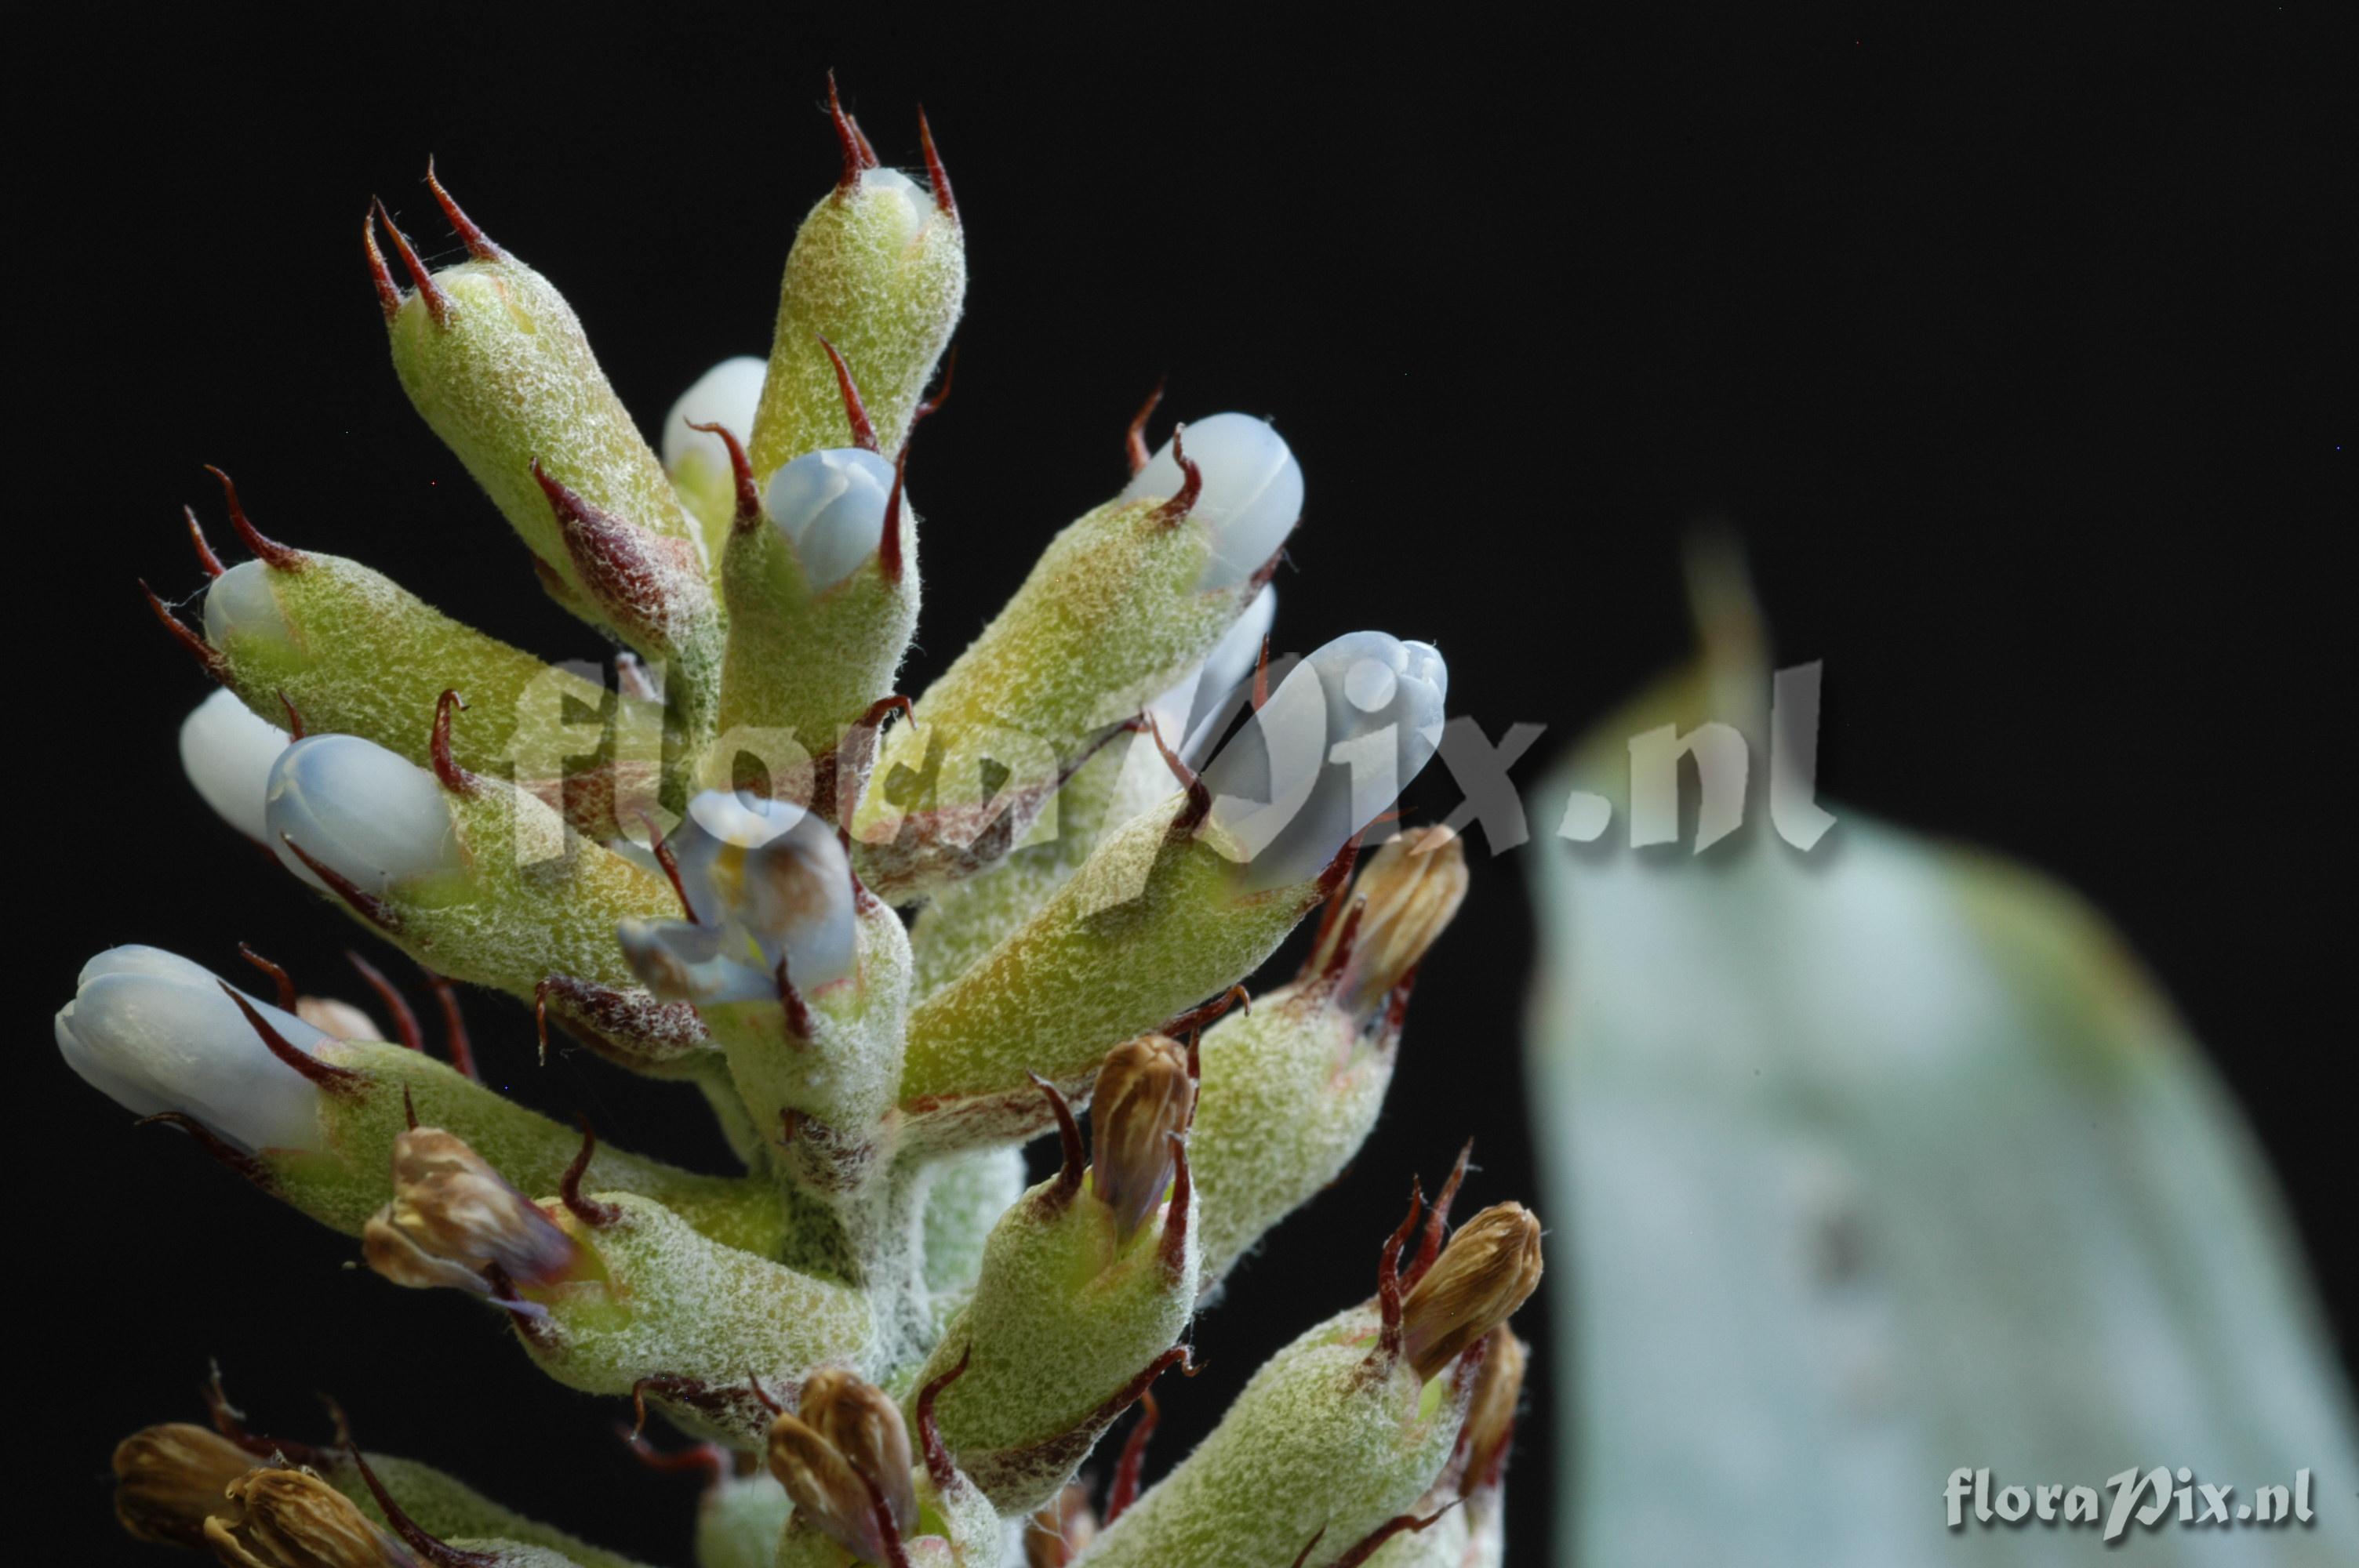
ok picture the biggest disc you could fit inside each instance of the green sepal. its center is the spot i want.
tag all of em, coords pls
(739, 1520)
(1108, 620)
(363, 656)
(667, 1302)
(880, 273)
(352, 1177)
(1150, 926)
(1331, 1435)
(1289, 1093)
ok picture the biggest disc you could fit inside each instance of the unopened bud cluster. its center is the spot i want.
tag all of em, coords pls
(888, 936)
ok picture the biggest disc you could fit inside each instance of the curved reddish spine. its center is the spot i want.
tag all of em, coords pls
(1437, 1220)
(749, 498)
(1134, 444)
(588, 1211)
(437, 1552)
(209, 658)
(331, 1078)
(204, 548)
(857, 155)
(888, 546)
(267, 550)
(1174, 512)
(1069, 1137)
(456, 779)
(936, 175)
(388, 293)
(1388, 1278)
(405, 1021)
(219, 1150)
(855, 413)
(1123, 1490)
(1175, 1215)
(939, 1465)
(437, 304)
(1200, 795)
(279, 977)
(455, 1038)
(368, 907)
(479, 245)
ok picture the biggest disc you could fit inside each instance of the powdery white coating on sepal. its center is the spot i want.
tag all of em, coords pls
(1321, 1439)
(154, 1033)
(1336, 743)
(829, 505)
(241, 605)
(1252, 495)
(372, 817)
(227, 750)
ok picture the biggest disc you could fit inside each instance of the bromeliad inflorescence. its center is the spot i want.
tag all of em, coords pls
(1109, 809)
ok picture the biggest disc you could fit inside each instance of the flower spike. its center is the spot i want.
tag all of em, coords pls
(479, 245)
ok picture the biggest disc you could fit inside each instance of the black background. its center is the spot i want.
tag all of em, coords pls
(2016, 357)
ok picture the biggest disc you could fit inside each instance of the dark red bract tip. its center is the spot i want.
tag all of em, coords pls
(440, 1553)
(1346, 938)
(405, 1023)
(749, 498)
(1261, 676)
(1200, 795)
(1123, 1491)
(800, 1028)
(888, 545)
(294, 717)
(203, 546)
(479, 245)
(269, 551)
(1437, 1221)
(454, 1025)
(217, 1149)
(928, 407)
(706, 1459)
(763, 1396)
(1389, 1288)
(588, 1211)
(437, 304)
(936, 175)
(1205, 1012)
(368, 907)
(1069, 1135)
(1136, 443)
(455, 778)
(857, 154)
(388, 293)
(1175, 511)
(661, 848)
(929, 1433)
(278, 976)
(855, 413)
(329, 1077)
(209, 658)
(1175, 1215)
(1399, 1524)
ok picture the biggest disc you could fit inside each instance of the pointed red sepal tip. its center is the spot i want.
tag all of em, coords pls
(397, 1006)
(588, 1211)
(1123, 1490)
(1389, 1288)
(209, 658)
(368, 907)
(267, 550)
(1069, 1135)
(1136, 443)
(437, 304)
(327, 1076)
(928, 407)
(661, 847)
(455, 1038)
(278, 976)
(434, 1551)
(706, 1459)
(1338, 872)
(936, 175)
(855, 413)
(479, 245)
(939, 1465)
(202, 545)
(294, 717)
(800, 1028)
(1373, 1542)
(540, 1033)
(1174, 1213)
(217, 1149)
(1196, 1017)
(1175, 511)
(1437, 1221)
(388, 293)
(858, 155)
(1261, 676)
(889, 555)
(749, 496)
(456, 779)
(1200, 795)
(1345, 940)
(408, 1109)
